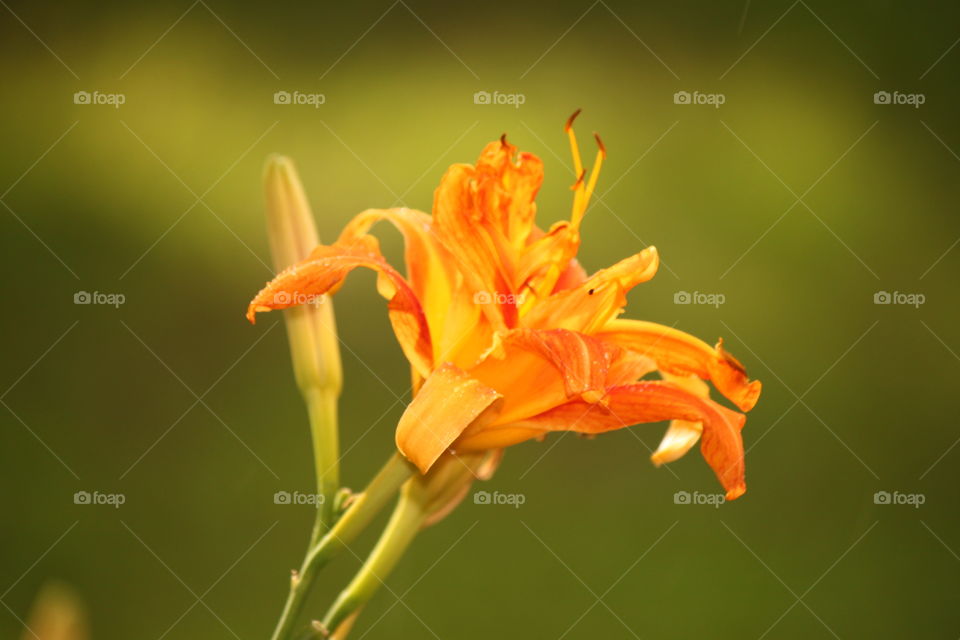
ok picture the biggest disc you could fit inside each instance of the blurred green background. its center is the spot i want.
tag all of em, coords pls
(175, 401)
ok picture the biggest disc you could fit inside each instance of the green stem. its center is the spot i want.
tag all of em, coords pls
(407, 519)
(322, 408)
(357, 517)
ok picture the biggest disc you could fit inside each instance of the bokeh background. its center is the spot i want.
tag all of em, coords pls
(799, 199)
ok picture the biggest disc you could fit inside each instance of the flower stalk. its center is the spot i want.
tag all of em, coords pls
(406, 520)
(357, 517)
(424, 500)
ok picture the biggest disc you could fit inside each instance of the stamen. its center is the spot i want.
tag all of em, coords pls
(577, 169)
(582, 198)
(603, 147)
(574, 149)
(578, 193)
(595, 172)
(503, 140)
(579, 182)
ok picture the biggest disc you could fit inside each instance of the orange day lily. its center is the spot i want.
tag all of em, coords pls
(508, 337)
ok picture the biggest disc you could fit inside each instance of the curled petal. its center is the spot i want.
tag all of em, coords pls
(681, 435)
(506, 185)
(654, 401)
(484, 216)
(680, 353)
(453, 317)
(449, 402)
(591, 305)
(450, 479)
(429, 266)
(325, 270)
(679, 438)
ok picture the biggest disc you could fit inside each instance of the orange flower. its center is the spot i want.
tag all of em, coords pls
(507, 336)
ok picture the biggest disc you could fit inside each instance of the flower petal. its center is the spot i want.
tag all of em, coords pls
(654, 401)
(545, 260)
(450, 479)
(681, 435)
(484, 216)
(449, 402)
(536, 370)
(507, 188)
(682, 354)
(590, 306)
(679, 438)
(585, 363)
(325, 270)
(457, 329)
